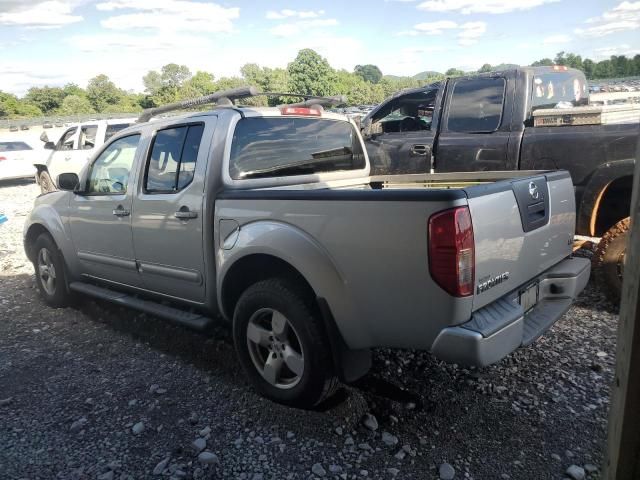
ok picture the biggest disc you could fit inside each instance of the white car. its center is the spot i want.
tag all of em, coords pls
(16, 159)
(74, 148)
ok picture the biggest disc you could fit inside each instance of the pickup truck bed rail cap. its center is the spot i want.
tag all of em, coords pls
(412, 195)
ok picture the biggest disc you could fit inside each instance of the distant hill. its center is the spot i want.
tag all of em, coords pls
(425, 75)
(503, 66)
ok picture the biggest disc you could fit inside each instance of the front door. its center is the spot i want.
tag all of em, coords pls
(475, 130)
(100, 215)
(402, 132)
(61, 156)
(168, 213)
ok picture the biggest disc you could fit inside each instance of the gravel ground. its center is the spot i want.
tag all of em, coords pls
(101, 392)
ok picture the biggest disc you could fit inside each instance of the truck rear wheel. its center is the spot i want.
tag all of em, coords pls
(609, 258)
(46, 184)
(281, 344)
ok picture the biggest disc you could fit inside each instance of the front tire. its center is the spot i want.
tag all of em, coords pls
(50, 272)
(609, 258)
(281, 344)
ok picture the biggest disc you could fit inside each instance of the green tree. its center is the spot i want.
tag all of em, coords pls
(369, 73)
(311, 74)
(454, 72)
(102, 92)
(267, 80)
(73, 89)
(75, 105)
(47, 99)
(544, 62)
(588, 67)
(202, 83)
(486, 68)
(165, 86)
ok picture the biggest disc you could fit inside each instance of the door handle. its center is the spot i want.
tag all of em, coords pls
(120, 211)
(419, 149)
(185, 214)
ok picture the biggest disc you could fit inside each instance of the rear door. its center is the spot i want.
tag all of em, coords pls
(168, 212)
(475, 130)
(100, 217)
(16, 160)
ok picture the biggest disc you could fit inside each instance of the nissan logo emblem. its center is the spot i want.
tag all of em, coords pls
(533, 191)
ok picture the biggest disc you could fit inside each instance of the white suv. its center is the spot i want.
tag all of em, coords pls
(74, 149)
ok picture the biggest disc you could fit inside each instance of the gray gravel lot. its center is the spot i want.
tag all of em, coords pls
(101, 392)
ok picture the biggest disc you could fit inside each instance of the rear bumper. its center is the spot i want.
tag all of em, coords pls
(501, 327)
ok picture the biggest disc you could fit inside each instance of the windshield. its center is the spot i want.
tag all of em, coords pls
(264, 147)
(13, 146)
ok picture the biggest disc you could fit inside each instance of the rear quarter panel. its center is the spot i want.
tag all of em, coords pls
(368, 259)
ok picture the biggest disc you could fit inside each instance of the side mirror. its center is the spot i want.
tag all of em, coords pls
(68, 181)
(49, 145)
(44, 137)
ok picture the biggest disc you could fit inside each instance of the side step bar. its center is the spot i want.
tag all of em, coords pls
(194, 321)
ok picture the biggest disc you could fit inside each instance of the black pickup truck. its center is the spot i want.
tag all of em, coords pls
(486, 122)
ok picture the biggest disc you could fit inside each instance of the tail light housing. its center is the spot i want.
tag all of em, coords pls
(2, 158)
(452, 251)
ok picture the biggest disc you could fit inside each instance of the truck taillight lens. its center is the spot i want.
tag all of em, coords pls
(2, 158)
(451, 251)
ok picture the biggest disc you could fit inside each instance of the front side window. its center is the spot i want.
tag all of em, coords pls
(66, 141)
(412, 112)
(171, 165)
(282, 146)
(109, 173)
(87, 138)
(476, 105)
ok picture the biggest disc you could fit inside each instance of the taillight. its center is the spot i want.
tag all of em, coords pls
(312, 112)
(451, 251)
(2, 158)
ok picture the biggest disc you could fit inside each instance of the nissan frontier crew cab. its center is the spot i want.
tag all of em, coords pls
(268, 217)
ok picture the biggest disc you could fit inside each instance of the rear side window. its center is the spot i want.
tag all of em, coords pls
(281, 146)
(87, 138)
(13, 146)
(113, 129)
(172, 162)
(476, 105)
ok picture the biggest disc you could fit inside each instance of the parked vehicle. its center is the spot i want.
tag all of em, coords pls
(13, 128)
(24, 127)
(74, 148)
(268, 217)
(47, 124)
(486, 122)
(16, 159)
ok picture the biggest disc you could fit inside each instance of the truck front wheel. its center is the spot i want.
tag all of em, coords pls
(281, 344)
(50, 273)
(609, 259)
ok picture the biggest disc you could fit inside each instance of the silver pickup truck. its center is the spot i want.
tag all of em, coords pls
(269, 218)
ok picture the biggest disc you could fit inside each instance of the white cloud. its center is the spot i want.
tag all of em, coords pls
(623, 49)
(169, 15)
(483, 6)
(625, 16)
(43, 15)
(300, 21)
(287, 13)
(556, 39)
(467, 33)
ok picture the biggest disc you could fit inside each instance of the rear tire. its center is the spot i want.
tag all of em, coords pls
(609, 258)
(50, 272)
(282, 345)
(46, 183)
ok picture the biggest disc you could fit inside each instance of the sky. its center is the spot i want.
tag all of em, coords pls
(54, 42)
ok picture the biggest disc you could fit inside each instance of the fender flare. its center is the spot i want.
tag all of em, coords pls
(297, 248)
(45, 216)
(595, 189)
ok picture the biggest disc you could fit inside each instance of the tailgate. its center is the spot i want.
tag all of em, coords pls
(521, 228)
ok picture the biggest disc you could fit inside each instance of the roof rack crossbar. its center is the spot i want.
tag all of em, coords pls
(310, 100)
(223, 97)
